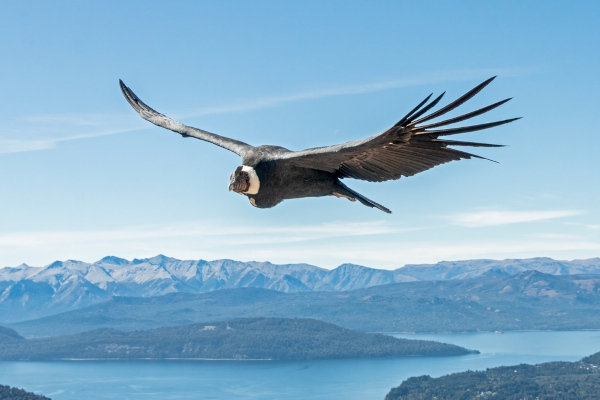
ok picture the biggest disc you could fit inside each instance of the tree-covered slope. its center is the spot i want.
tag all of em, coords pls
(554, 380)
(7, 334)
(262, 338)
(11, 393)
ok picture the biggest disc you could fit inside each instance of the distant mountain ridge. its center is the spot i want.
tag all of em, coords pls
(530, 300)
(33, 292)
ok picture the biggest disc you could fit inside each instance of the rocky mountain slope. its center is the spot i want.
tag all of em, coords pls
(526, 301)
(33, 292)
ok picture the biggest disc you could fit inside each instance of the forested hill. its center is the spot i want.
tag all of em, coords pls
(257, 338)
(553, 380)
(11, 393)
(9, 334)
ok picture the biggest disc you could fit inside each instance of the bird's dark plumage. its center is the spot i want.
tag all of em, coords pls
(272, 174)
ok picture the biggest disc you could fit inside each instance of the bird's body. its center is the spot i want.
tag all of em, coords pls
(271, 174)
(280, 182)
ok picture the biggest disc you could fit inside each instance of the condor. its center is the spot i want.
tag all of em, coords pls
(270, 174)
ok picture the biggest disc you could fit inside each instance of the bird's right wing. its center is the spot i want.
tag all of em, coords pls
(163, 121)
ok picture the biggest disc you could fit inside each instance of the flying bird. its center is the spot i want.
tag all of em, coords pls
(270, 174)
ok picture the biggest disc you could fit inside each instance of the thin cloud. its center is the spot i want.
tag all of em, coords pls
(392, 254)
(259, 234)
(46, 131)
(588, 226)
(43, 132)
(17, 146)
(492, 218)
(378, 244)
(199, 238)
(425, 79)
(560, 236)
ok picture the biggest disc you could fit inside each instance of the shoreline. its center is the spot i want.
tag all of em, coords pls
(412, 333)
(503, 331)
(154, 359)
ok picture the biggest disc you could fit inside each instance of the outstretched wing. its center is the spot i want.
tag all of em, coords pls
(163, 121)
(405, 149)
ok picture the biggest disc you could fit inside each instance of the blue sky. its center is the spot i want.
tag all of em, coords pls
(82, 176)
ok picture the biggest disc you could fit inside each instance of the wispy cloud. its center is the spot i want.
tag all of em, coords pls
(491, 218)
(561, 236)
(588, 226)
(20, 145)
(249, 235)
(344, 90)
(46, 131)
(201, 239)
(391, 255)
(379, 244)
(43, 132)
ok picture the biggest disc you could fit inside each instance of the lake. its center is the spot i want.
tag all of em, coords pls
(354, 379)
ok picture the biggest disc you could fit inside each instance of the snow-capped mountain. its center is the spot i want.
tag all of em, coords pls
(33, 292)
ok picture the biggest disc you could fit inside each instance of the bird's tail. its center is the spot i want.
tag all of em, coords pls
(353, 195)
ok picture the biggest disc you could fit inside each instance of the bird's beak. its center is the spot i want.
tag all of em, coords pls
(230, 187)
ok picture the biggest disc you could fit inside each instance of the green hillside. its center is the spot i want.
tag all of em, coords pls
(553, 380)
(258, 338)
(11, 393)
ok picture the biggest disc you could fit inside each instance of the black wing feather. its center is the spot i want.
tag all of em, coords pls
(427, 108)
(465, 129)
(407, 116)
(403, 150)
(465, 97)
(465, 116)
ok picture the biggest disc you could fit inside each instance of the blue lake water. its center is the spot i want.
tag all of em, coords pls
(355, 379)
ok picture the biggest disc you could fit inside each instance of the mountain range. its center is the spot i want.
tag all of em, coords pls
(33, 292)
(530, 300)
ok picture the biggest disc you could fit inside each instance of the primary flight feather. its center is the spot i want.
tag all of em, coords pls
(271, 174)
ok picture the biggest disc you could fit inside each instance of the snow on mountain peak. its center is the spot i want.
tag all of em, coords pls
(112, 260)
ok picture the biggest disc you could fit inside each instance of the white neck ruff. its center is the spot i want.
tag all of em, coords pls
(254, 181)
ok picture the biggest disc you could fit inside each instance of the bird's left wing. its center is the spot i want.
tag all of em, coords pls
(405, 149)
(163, 121)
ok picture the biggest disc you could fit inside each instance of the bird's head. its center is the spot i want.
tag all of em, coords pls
(239, 180)
(244, 180)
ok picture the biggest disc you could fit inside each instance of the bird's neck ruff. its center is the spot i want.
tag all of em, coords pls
(254, 181)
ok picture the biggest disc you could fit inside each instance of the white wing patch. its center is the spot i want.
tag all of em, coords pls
(254, 181)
